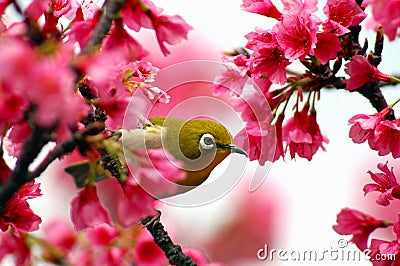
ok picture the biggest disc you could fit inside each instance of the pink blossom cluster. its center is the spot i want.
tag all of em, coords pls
(53, 81)
(382, 135)
(300, 135)
(361, 225)
(297, 35)
(385, 13)
(103, 244)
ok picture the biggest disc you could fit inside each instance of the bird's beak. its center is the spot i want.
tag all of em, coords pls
(235, 149)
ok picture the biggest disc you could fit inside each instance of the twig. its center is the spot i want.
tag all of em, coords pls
(59, 151)
(111, 8)
(173, 252)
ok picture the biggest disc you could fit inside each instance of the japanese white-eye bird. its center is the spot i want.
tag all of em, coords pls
(200, 144)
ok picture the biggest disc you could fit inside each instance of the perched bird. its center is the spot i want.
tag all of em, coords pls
(200, 144)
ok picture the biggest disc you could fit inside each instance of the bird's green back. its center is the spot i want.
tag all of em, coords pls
(182, 137)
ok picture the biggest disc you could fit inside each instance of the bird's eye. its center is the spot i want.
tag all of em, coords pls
(207, 142)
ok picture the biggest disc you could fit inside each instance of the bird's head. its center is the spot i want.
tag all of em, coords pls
(201, 144)
(201, 137)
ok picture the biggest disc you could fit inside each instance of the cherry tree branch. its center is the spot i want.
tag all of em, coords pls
(173, 252)
(59, 151)
(20, 175)
(110, 10)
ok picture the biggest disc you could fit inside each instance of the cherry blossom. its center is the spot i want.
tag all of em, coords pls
(87, 210)
(387, 138)
(361, 71)
(296, 35)
(17, 213)
(269, 59)
(358, 224)
(262, 7)
(134, 204)
(342, 14)
(302, 134)
(147, 253)
(327, 47)
(363, 126)
(385, 13)
(384, 183)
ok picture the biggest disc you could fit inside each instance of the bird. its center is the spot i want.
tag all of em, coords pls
(201, 144)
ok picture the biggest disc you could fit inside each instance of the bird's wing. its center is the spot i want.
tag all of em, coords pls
(141, 139)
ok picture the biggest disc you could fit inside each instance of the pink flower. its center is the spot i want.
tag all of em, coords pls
(385, 13)
(358, 224)
(17, 212)
(86, 209)
(114, 256)
(302, 134)
(299, 6)
(37, 8)
(81, 30)
(198, 257)
(102, 235)
(170, 29)
(384, 183)
(296, 35)
(61, 235)
(12, 103)
(52, 92)
(257, 146)
(19, 59)
(258, 136)
(16, 138)
(384, 249)
(342, 14)
(361, 71)
(119, 38)
(134, 15)
(146, 252)
(115, 108)
(268, 60)
(387, 138)
(279, 151)
(262, 7)
(328, 45)
(156, 170)
(231, 80)
(61, 7)
(363, 126)
(134, 205)
(16, 246)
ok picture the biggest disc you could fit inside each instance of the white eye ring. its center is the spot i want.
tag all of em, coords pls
(207, 142)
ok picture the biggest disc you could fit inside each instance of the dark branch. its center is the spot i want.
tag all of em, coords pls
(20, 175)
(378, 46)
(373, 93)
(173, 252)
(58, 152)
(110, 10)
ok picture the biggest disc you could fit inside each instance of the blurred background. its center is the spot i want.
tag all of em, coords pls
(296, 206)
